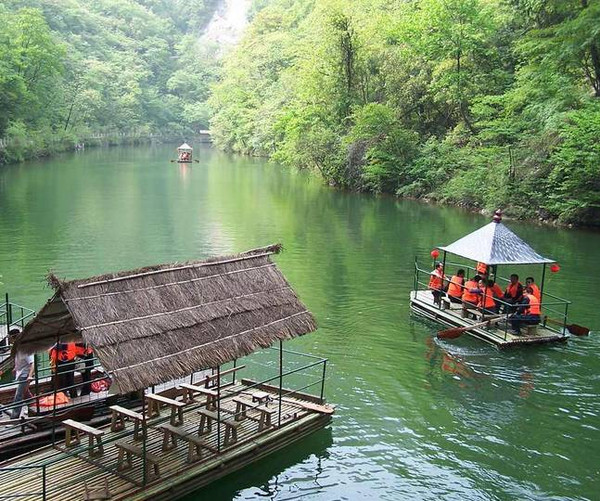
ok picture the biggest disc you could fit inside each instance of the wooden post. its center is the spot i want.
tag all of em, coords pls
(280, 381)
(55, 379)
(144, 469)
(219, 408)
(37, 383)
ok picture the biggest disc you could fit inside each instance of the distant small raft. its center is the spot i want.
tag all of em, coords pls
(185, 154)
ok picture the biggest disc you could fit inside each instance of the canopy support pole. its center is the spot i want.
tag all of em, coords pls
(55, 390)
(219, 408)
(542, 284)
(280, 381)
(443, 275)
(144, 437)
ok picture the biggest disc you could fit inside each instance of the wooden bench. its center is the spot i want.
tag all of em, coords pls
(126, 450)
(449, 305)
(260, 396)
(210, 378)
(243, 404)
(195, 444)
(154, 403)
(94, 435)
(211, 395)
(231, 425)
(119, 414)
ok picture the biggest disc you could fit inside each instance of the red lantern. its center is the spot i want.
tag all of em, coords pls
(555, 268)
(435, 253)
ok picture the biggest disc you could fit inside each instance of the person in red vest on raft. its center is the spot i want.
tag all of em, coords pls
(481, 269)
(85, 353)
(436, 283)
(497, 292)
(487, 303)
(455, 287)
(62, 357)
(529, 282)
(470, 297)
(528, 312)
(514, 292)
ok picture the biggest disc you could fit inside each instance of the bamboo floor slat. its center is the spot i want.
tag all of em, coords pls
(67, 472)
(422, 303)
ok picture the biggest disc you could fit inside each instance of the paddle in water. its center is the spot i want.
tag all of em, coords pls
(457, 331)
(577, 330)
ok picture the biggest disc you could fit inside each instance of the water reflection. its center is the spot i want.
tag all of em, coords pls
(270, 478)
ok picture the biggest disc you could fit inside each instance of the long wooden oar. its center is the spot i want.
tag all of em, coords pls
(578, 330)
(457, 331)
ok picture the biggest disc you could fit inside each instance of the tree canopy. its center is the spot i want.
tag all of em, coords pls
(74, 66)
(480, 103)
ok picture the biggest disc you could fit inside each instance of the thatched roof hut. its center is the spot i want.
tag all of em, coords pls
(157, 323)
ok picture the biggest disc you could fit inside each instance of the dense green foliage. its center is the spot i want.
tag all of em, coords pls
(481, 103)
(71, 67)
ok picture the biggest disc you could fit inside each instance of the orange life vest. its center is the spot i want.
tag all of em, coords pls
(435, 280)
(486, 300)
(497, 291)
(534, 305)
(455, 287)
(469, 296)
(48, 401)
(536, 291)
(63, 352)
(481, 268)
(82, 349)
(512, 290)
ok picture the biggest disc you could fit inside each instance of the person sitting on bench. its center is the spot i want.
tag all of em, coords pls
(528, 312)
(455, 287)
(470, 296)
(487, 303)
(513, 293)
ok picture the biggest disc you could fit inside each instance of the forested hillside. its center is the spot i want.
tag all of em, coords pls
(71, 67)
(481, 103)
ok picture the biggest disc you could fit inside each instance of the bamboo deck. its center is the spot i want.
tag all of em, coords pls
(421, 302)
(66, 472)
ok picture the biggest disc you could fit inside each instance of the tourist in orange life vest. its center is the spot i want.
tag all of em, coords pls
(496, 292)
(486, 302)
(514, 292)
(85, 353)
(481, 269)
(62, 357)
(529, 282)
(470, 296)
(528, 312)
(436, 283)
(455, 287)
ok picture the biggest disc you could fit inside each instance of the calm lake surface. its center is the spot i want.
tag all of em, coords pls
(416, 418)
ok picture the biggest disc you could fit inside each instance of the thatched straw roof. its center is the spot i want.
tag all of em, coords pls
(157, 323)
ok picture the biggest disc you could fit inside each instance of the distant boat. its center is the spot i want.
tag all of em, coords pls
(185, 154)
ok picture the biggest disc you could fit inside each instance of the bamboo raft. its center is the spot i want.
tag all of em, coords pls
(421, 302)
(69, 472)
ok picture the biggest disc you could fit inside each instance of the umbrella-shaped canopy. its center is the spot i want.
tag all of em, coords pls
(184, 147)
(495, 244)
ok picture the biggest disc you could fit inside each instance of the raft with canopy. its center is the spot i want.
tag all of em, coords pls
(490, 247)
(185, 154)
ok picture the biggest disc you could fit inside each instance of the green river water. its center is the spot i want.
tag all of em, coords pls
(416, 418)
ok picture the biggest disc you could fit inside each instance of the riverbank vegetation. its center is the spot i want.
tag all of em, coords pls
(478, 103)
(74, 68)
